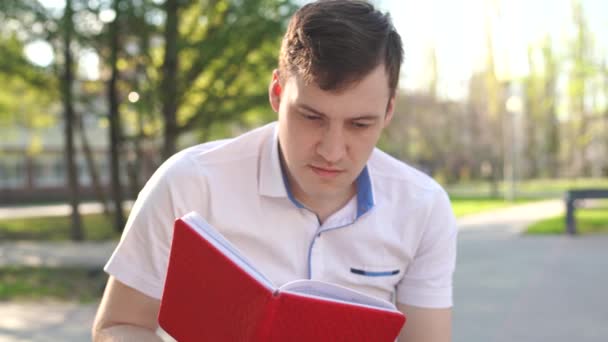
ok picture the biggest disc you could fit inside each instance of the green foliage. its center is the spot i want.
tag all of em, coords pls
(541, 122)
(22, 105)
(226, 50)
(72, 284)
(27, 91)
(13, 62)
(225, 60)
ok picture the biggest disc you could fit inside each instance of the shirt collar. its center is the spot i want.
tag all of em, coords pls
(271, 176)
(273, 181)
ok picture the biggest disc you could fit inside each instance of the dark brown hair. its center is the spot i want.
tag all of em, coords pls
(335, 43)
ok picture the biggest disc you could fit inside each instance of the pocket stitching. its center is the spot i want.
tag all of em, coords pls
(366, 273)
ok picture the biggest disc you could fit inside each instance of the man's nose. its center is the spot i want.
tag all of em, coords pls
(332, 146)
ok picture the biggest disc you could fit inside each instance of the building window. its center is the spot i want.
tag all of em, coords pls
(49, 171)
(12, 172)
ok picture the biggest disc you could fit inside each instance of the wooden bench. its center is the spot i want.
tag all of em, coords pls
(572, 196)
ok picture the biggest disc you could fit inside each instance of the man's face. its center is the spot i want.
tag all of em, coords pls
(327, 137)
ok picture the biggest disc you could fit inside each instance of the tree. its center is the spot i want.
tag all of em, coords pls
(169, 83)
(486, 105)
(552, 144)
(27, 91)
(67, 80)
(605, 91)
(60, 33)
(578, 90)
(533, 103)
(114, 116)
(218, 55)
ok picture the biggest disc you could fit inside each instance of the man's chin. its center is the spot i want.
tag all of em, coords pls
(327, 193)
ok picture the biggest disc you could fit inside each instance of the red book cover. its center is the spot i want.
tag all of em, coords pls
(212, 293)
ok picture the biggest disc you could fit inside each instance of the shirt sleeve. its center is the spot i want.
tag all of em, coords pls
(141, 257)
(427, 281)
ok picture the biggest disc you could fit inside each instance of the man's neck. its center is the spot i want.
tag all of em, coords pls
(325, 207)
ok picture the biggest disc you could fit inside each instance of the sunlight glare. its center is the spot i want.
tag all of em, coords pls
(107, 15)
(89, 65)
(52, 3)
(40, 53)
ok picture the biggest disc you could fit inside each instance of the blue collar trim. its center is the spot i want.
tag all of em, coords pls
(287, 188)
(365, 195)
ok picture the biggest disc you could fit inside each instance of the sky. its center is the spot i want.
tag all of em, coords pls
(456, 30)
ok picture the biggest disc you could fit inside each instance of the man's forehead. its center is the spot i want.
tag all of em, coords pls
(345, 105)
(356, 115)
(347, 83)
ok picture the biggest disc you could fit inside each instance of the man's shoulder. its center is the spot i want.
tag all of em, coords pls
(215, 157)
(388, 169)
(245, 146)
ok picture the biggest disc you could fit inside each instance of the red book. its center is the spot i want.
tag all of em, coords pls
(212, 293)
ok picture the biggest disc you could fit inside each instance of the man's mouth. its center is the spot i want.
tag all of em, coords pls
(326, 172)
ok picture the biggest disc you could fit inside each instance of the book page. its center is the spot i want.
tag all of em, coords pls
(316, 288)
(201, 226)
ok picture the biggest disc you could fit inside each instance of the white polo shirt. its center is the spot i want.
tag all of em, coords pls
(395, 240)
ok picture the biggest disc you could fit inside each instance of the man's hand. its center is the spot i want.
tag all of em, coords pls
(125, 314)
(426, 325)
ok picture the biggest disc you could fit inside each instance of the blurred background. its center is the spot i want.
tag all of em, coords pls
(505, 103)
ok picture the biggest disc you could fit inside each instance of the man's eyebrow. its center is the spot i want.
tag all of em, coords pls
(358, 117)
(310, 109)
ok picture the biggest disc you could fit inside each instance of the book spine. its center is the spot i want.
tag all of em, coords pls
(265, 327)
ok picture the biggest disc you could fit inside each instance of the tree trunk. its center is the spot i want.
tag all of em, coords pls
(530, 161)
(552, 128)
(553, 142)
(76, 232)
(169, 84)
(136, 168)
(605, 69)
(115, 135)
(99, 193)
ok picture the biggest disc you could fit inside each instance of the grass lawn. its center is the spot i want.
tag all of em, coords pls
(69, 284)
(463, 206)
(42, 283)
(540, 188)
(588, 220)
(97, 227)
(84, 285)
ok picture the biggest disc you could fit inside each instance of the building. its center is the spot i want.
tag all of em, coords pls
(33, 166)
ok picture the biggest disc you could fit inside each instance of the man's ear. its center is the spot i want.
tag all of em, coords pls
(274, 91)
(390, 110)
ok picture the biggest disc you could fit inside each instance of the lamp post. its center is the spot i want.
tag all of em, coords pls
(512, 136)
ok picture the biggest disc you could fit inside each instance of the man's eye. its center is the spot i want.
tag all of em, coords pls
(311, 117)
(357, 124)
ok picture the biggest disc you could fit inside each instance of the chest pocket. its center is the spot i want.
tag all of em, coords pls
(362, 258)
(376, 280)
(380, 281)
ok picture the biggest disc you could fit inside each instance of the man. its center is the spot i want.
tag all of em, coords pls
(309, 196)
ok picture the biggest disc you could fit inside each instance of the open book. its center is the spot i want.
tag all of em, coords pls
(213, 293)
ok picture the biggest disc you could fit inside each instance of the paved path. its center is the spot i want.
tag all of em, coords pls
(45, 322)
(514, 288)
(508, 287)
(52, 321)
(53, 210)
(512, 219)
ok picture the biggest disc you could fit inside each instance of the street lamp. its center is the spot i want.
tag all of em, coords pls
(514, 106)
